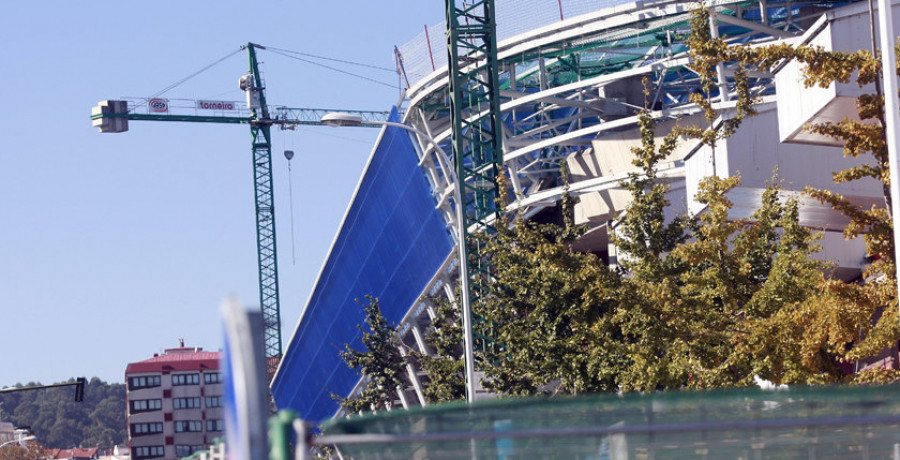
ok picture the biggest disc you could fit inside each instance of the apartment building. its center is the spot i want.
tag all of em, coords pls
(174, 403)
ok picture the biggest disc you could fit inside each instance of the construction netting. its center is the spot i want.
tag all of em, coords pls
(624, 41)
(428, 50)
(799, 423)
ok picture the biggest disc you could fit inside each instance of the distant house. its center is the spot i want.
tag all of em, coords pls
(117, 453)
(7, 432)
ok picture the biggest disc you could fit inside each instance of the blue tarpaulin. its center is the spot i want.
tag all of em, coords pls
(390, 245)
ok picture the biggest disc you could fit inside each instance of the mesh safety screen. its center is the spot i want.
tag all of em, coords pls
(800, 423)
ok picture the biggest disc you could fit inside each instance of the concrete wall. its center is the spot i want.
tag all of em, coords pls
(754, 151)
(847, 30)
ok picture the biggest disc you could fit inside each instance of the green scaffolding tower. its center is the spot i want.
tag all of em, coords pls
(476, 133)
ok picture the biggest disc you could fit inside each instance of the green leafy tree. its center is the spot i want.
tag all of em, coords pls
(64, 430)
(648, 299)
(59, 422)
(445, 367)
(644, 234)
(549, 304)
(744, 272)
(767, 343)
(381, 363)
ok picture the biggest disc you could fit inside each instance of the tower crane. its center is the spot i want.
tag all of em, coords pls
(112, 116)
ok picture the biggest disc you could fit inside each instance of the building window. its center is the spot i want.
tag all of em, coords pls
(212, 377)
(186, 451)
(140, 429)
(213, 401)
(182, 426)
(182, 451)
(145, 405)
(185, 379)
(215, 425)
(149, 451)
(187, 403)
(135, 383)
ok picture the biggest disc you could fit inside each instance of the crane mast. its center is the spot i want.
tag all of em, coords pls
(267, 255)
(112, 116)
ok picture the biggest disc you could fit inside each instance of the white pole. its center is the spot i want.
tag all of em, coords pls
(464, 293)
(891, 114)
(720, 67)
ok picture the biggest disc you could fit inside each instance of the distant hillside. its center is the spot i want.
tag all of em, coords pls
(60, 422)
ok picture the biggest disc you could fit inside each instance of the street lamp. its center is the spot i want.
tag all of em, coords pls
(347, 119)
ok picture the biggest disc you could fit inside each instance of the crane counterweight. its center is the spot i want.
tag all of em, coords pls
(103, 116)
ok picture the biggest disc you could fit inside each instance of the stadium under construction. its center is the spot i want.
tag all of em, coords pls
(571, 79)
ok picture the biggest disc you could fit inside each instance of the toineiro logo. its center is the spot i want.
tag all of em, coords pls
(159, 105)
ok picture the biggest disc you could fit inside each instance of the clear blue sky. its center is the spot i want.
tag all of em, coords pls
(114, 246)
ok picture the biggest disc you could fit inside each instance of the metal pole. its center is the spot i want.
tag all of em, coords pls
(303, 440)
(891, 114)
(720, 67)
(464, 293)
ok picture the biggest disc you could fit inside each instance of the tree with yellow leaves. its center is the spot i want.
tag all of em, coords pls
(846, 321)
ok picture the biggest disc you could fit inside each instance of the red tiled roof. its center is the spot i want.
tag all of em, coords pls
(177, 359)
(77, 452)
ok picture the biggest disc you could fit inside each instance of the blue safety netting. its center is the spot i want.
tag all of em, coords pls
(390, 245)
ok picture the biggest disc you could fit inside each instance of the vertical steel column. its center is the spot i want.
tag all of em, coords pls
(891, 116)
(260, 132)
(720, 67)
(477, 148)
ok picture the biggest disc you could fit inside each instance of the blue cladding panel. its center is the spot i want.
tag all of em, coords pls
(391, 244)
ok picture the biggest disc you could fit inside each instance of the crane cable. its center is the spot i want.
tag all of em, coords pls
(293, 55)
(332, 68)
(289, 154)
(291, 194)
(386, 69)
(173, 85)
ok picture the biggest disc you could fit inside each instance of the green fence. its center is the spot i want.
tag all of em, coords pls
(800, 423)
